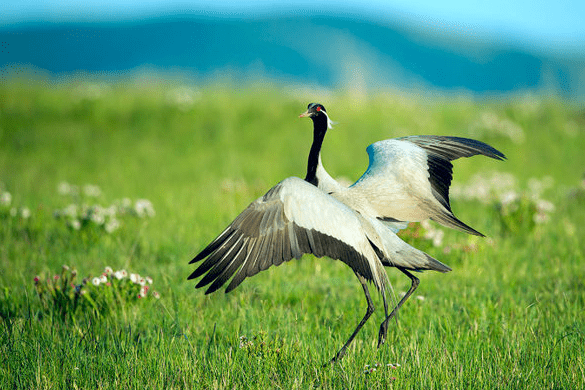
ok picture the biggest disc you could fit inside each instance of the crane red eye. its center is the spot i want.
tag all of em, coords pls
(318, 108)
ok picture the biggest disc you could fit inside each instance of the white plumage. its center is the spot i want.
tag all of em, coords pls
(396, 180)
(407, 180)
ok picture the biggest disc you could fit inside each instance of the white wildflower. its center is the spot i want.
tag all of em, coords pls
(97, 216)
(483, 188)
(70, 211)
(25, 212)
(156, 295)
(96, 281)
(75, 224)
(509, 197)
(420, 298)
(5, 199)
(64, 188)
(125, 205)
(112, 225)
(489, 123)
(142, 281)
(438, 238)
(545, 206)
(134, 278)
(426, 224)
(433, 234)
(118, 275)
(103, 278)
(143, 208)
(537, 186)
(110, 211)
(144, 291)
(108, 270)
(92, 191)
(124, 273)
(148, 279)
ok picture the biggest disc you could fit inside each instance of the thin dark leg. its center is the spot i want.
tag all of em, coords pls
(369, 312)
(384, 325)
(385, 304)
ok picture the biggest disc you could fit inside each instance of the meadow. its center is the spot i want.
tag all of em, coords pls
(107, 191)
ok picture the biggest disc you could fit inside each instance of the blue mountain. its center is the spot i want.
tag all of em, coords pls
(329, 51)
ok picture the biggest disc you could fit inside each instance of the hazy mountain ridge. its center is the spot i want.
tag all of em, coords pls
(330, 51)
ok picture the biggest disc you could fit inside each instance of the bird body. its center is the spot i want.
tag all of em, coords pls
(407, 179)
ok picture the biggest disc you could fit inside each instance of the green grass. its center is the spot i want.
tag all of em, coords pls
(510, 315)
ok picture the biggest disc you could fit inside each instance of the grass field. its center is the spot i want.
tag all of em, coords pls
(510, 315)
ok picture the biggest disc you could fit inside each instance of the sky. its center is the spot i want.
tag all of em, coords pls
(554, 24)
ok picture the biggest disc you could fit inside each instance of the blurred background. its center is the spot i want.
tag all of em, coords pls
(463, 47)
(133, 131)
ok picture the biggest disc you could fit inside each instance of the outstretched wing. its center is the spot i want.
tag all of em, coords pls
(291, 219)
(408, 178)
(441, 151)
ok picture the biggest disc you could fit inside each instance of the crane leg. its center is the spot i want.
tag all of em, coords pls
(369, 312)
(384, 325)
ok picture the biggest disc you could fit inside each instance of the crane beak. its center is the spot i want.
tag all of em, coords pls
(305, 114)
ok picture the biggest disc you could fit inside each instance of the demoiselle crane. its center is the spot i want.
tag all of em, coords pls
(407, 179)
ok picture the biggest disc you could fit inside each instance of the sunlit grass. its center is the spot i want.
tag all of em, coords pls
(511, 314)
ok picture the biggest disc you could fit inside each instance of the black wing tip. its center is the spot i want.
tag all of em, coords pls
(488, 150)
(203, 283)
(197, 273)
(436, 265)
(468, 229)
(480, 146)
(495, 154)
(212, 289)
(451, 221)
(197, 259)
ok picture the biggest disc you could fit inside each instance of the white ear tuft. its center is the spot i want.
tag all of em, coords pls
(330, 123)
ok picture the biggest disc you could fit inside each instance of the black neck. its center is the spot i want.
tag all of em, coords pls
(319, 130)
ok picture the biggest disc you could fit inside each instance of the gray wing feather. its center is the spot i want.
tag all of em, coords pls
(452, 148)
(263, 235)
(441, 151)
